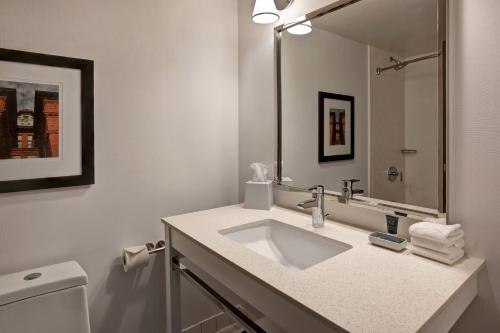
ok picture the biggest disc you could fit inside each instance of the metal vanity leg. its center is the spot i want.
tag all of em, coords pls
(173, 287)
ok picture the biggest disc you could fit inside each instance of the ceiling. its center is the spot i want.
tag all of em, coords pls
(405, 27)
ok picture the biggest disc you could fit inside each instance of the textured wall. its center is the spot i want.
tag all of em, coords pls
(475, 148)
(165, 140)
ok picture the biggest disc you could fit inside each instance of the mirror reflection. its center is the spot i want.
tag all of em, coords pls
(362, 102)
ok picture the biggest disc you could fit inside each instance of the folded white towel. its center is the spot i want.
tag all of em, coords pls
(445, 242)
(437, 246)
(434, 231)
(449, 259)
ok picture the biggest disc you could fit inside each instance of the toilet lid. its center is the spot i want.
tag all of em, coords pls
(38, 281)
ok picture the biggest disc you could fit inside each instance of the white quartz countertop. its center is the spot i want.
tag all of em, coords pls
(364, 289)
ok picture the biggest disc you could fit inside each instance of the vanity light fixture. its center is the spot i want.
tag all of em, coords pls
(302, 28)
(265, 12)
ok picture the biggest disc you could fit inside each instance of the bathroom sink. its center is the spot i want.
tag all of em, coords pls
(290, 246)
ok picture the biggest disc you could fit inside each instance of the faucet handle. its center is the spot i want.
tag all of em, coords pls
(350, 182)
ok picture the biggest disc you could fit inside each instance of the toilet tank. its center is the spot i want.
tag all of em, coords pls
(50, 299)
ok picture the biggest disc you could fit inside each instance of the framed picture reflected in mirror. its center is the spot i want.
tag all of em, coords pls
(336, 127)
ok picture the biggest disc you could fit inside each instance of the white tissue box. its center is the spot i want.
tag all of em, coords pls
(259, 195)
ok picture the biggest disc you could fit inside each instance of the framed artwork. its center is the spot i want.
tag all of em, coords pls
(336, 127)
(46, 121)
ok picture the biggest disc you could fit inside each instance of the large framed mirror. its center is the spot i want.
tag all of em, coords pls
(361, 102)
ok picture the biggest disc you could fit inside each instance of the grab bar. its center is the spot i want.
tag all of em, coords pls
(248, 324)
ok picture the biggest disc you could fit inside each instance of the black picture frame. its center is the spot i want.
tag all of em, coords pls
(86, 67)
(322, 96)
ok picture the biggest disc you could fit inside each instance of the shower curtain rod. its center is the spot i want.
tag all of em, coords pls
(401, 64)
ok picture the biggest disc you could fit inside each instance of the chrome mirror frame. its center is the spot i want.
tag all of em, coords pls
(442, 116)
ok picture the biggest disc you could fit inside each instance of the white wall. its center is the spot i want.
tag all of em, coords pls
(475, 135)
(311, 63)
(421, 133)
(165, 137)
(475, 148)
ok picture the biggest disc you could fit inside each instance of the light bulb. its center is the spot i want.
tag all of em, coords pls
(265, 12)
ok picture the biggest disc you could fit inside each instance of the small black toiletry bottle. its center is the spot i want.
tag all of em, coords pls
(392, 224)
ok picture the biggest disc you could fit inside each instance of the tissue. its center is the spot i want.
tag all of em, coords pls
(259, 172)
(135, 257)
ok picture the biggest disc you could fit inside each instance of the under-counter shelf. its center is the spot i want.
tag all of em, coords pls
(240, 318)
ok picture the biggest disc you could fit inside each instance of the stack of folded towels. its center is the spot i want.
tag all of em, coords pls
(440, 242)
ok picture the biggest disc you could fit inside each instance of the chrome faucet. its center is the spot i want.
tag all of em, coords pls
(318, 204)
(347, 191)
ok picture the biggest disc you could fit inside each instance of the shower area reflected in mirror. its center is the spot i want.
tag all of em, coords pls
(404, 112)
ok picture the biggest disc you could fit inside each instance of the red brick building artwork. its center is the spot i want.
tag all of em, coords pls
(51, 116)
(31, 132)
(3, 104)
(8, 126)
(46, 127)
(3, 126)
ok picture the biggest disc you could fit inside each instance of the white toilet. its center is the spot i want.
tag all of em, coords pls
(50, 299)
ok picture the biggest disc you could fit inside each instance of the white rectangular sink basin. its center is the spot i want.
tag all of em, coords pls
(288, 245)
